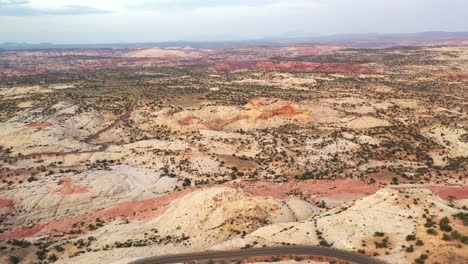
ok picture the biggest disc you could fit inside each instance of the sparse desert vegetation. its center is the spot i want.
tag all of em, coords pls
(129, 153)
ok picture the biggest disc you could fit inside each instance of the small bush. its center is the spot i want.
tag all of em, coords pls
(444, 225)
(463, 217)
(14, 260)
(464, 240)
(20, 243)
(379, 234)
(187, 182)
(52, 258)
(59, 248)
(410, 249)
(419, 261)
(456, 235)
(324, 243)
(383, 244)
(444, 220)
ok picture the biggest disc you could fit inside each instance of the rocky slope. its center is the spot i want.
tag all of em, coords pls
(389, 223)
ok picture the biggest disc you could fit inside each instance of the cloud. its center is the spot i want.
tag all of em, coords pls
(194, 4)
(75, 10)
(201, 20)
(22, 8)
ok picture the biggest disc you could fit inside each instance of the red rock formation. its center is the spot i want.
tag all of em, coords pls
(68, 188)
(141, 210)
(296, 66)
(450, 192)
(340, 189)
(335, 189)
(265, 101)
(454, 75)
(223, 67)
(267, 66)
(285, 110)
(230, 66)
(268, 108)
(39, 125)
(187, 120)
(22, 233)
(6, 202)
(271, 107)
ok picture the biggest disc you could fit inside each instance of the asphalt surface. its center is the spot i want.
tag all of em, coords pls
(262, 252)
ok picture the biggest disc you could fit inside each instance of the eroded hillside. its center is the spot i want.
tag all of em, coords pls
(124, 154)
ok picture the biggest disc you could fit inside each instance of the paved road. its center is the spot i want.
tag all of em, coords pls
(262, 252)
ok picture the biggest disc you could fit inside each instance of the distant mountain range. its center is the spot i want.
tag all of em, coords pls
(352, 40)
(386, 40)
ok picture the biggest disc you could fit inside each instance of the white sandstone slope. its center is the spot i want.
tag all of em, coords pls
(353, 226)
(65, 195)
(213, 215)
(197, 221)
(225, 218)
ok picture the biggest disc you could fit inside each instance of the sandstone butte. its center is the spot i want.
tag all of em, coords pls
(257, 108)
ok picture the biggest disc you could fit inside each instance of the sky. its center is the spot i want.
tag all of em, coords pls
(131, 21)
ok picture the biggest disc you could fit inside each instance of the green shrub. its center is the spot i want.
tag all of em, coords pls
(445, 227)
(379, 234)
(464, 240)
(324, 243)
(383, 244)
(20, 243)
(187, 182)
(419, 261)
(456, 235)
(444, 220)
(52, 258)
(410, 249)
(463, 217)
(14, 260)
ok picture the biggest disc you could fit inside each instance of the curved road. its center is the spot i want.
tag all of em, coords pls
(262, 252)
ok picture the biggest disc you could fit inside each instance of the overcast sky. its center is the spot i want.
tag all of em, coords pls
(105, 21)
